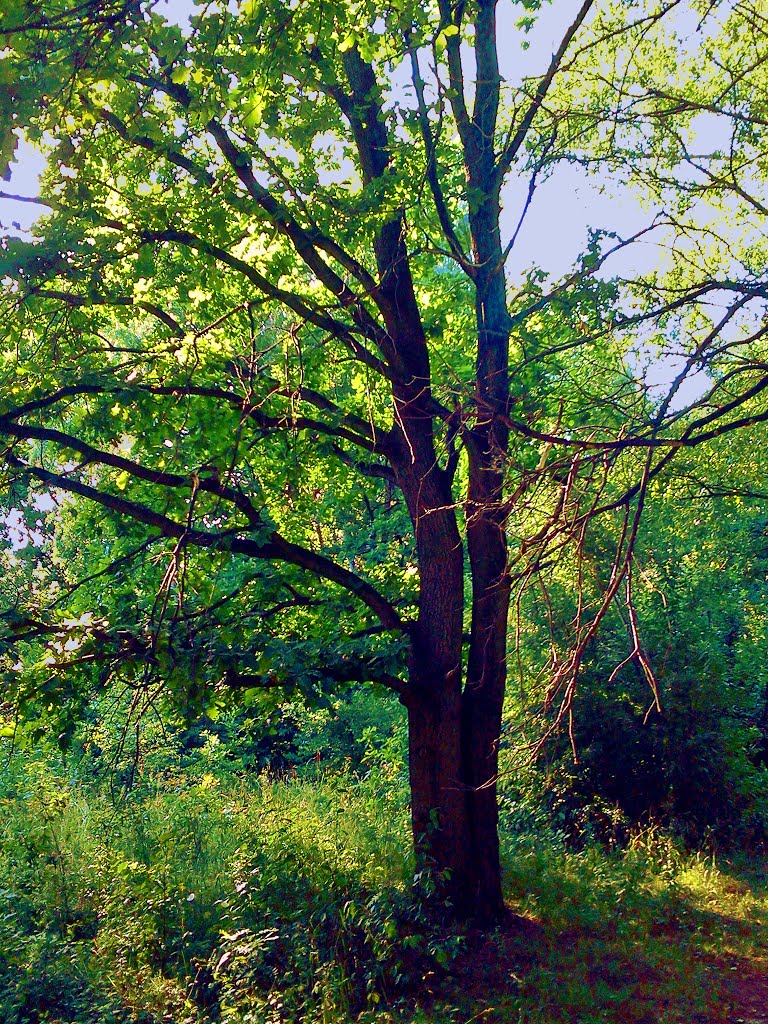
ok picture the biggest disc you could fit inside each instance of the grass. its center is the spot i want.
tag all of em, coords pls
(649, 935)
(211, 899)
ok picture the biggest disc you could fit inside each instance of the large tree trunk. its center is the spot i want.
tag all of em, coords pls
(453, 761)
(439, 812)
(483, 697)
(453, 735)
(439, 807)
(487, 447)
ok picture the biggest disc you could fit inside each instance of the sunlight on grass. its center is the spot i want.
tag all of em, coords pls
(215, 898)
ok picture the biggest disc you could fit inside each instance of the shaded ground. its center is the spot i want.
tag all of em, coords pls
(528, 972)
(745, 986)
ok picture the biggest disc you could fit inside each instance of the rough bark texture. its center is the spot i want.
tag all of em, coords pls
(454, 732)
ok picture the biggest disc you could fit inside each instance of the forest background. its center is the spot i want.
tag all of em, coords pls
(376, 563)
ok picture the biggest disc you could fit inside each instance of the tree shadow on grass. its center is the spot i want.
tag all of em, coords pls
(599, 940)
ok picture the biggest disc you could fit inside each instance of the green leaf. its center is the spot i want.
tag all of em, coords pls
(253, 113)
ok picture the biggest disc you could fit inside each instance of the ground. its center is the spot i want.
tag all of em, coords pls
(500, 971)
(746, 992)
(587, 948)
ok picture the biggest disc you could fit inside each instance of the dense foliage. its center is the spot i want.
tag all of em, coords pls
(289, 427)
(690, 749)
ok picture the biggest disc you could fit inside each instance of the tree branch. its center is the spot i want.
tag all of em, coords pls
(309, 313)
(71, 299)
(433, 178)
(273, 548)
(512, 147)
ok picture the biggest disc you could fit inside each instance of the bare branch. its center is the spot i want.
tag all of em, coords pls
(512, 147)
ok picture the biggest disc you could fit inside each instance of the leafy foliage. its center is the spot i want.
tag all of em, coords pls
(300, 429)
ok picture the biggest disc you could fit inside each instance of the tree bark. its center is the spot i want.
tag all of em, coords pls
(439, 809)
(453, 735)
(487, 447)
(483, 696)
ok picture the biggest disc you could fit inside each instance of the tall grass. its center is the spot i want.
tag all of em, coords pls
(203, 896)
(196, 896)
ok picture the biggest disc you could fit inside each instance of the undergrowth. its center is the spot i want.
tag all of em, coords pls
(205, 897)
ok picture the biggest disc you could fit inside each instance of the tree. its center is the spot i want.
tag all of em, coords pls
(275, 267)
